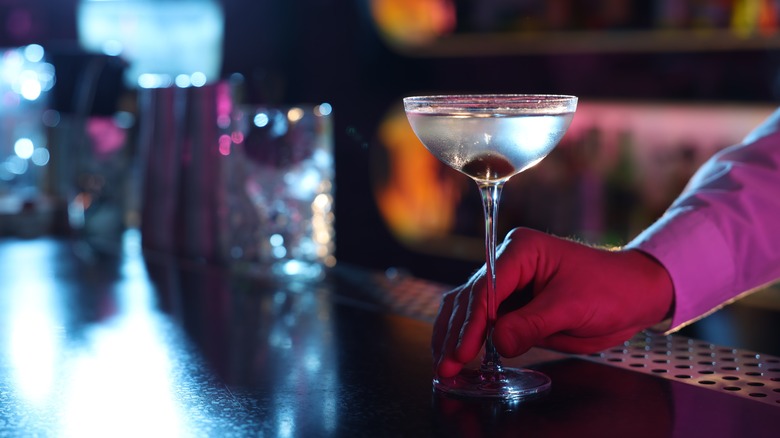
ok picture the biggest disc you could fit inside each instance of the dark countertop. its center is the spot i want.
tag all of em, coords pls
(134, 346)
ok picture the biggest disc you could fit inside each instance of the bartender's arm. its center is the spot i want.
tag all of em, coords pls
(719, 240)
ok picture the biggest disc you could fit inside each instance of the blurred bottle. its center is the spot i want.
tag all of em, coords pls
(590, 185)
(91, 153)
(745, 17)
(621, 192)
(173, 50)
(181, 176)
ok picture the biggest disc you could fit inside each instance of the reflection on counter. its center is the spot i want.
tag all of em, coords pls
(152, 346)
(76, 359)
(639, 405)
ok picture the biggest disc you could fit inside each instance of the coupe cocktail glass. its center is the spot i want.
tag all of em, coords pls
(491, 138)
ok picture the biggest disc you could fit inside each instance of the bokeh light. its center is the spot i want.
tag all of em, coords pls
(413, 21)
(24, 148)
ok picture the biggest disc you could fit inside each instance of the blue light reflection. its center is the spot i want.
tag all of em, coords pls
(100, 362)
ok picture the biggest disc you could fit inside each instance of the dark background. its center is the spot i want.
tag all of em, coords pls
(330, 51)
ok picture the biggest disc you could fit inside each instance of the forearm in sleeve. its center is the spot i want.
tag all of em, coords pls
(720, 239)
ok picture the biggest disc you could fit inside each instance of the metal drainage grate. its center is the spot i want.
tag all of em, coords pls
(739, 372)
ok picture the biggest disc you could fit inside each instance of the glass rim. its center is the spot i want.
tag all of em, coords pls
(480, 103)
(483, 97)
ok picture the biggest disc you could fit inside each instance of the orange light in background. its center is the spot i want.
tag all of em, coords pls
(419, 197)
(413, 21)
(767, 18)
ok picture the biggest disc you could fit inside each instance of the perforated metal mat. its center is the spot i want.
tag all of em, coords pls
(738, 372)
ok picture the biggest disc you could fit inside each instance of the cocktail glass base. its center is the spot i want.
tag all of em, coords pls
(511, 384)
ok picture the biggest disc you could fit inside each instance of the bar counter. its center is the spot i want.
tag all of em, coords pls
(141, 345)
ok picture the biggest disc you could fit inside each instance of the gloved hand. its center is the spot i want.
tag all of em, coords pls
(576, 299)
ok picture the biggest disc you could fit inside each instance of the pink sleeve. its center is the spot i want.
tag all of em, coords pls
(721, 238)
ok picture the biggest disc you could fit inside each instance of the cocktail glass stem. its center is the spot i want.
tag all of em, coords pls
(491, 195)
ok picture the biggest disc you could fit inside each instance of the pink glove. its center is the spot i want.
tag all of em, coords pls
(580, 299)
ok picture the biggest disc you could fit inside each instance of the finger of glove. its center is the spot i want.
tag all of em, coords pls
(441, 324)
(518, 331)
(449, 363)
(472, 331)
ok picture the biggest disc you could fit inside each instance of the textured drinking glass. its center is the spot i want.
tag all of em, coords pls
(280, 190)
(491, 138)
